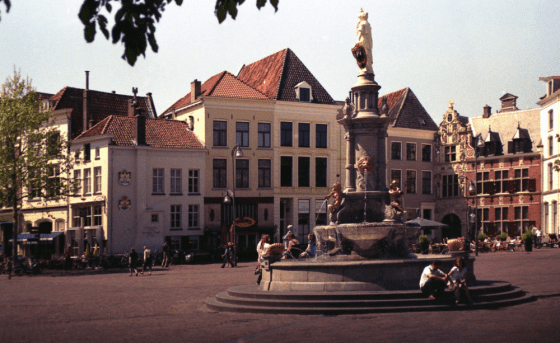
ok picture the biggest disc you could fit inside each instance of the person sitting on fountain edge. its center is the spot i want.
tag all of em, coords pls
(433, 281)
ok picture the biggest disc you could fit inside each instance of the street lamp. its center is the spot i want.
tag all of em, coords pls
(235, 152)
(474, 191)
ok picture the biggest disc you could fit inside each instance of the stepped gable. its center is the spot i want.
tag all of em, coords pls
(277, 75)
(160, 133)
(505, 123)
(101, 105)
(407, 110)
(224, 85)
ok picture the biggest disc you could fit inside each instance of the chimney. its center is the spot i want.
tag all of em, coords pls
(195, 90)
(151, 104)
(133, 103)
(173, 114)
(85, 108)
(140, 128)
(487, 111)
(509, 103)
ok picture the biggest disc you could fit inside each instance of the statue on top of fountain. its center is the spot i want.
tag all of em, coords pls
(396, 194)
(362, 49)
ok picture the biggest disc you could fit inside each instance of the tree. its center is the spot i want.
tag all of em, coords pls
(35, 160)
(134, 24)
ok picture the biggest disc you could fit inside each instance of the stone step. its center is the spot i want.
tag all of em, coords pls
(249, 298)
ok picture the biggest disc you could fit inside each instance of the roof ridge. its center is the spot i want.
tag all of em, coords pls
(248, 85)
(216, 84)
(109, 120)
(61, 92)
(404, 96)
(282, 73)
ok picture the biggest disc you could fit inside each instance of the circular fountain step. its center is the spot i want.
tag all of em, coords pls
(250, 298)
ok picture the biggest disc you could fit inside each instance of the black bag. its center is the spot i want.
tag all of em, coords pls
(258, 270)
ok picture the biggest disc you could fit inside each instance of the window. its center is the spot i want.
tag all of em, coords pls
(97, 180)
(554, 215)
(303, 129)
(76, 222)
(87, 219)
(285, 133)
(193, 181)
(157, 187)
(501, 177)
(303, 171)
(53, 184)
(522, 219)
(34, 188)
(450, 186)
(175, 182)
(175, 217)
(395, 150)
(193, 217)
(78, 181)
(219, 173)
(155, 218)
(483, 186)
(265, 176)
(53, 141)
(320, 172)
(521, 181)
(396, 176)
(220, 133)
(304, 94)
(87, 152)
(242, 173)
(286, 171)
(426, 182)
(87, 181)
(97, 216)
(501, 219)
(550, 146)
(550, 177)
(411, 181)
(411, 151)
(426, 152)
(321, 136)
(97, 153)
(550, 120)
(450, 154)
(427, 213)
(242, 134)
(264, 135)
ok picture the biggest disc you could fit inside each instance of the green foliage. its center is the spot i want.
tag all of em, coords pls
(423, 240)
(528, 234)
(482, 236)
(8, 5)
(503, 236)
(33, 154)
(134, 22)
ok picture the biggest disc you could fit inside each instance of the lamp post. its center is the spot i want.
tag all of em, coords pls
(474, 191)
(235, 152)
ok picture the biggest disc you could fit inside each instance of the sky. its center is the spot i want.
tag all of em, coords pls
(471, 52)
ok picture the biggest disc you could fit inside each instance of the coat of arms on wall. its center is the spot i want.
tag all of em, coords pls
(125, 177)
(124, 203)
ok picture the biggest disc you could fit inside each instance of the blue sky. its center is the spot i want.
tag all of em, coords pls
(472, 52)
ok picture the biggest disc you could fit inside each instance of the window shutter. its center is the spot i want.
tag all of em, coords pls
(532, 186)
(512, 187)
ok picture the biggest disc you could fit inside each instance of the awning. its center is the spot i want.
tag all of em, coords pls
(424, 223)
(48, 237)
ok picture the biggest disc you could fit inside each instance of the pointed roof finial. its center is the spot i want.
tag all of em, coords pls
(450, 104)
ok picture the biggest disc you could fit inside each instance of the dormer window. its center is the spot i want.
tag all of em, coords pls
(304, 92)
(492, 144)
(521, 142)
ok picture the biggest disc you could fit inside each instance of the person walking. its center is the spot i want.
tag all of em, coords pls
(147, 260)
(133, 261)
(8, 267)
(165, 261)
(67, 261)
(227, 255)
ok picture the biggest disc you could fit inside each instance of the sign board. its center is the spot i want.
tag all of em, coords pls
(303, 206)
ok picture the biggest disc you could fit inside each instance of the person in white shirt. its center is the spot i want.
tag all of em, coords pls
(539, 238)
(262, 248)
(458, 280)
(433, 280)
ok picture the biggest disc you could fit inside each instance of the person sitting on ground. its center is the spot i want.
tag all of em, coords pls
(433, 280)
(311, 250)
(457, 280)
(291, 242)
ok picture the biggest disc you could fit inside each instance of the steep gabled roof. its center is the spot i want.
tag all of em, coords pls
(160, 133)
(407, 111)
(101, 105)
(277, 75)
(224, 85)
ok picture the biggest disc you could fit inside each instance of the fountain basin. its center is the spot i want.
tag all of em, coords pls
(353, 275)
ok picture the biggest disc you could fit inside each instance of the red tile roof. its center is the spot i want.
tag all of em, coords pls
(273, 77)
(101, 105)
(223, 85)
(161, 133)
(407, 110)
